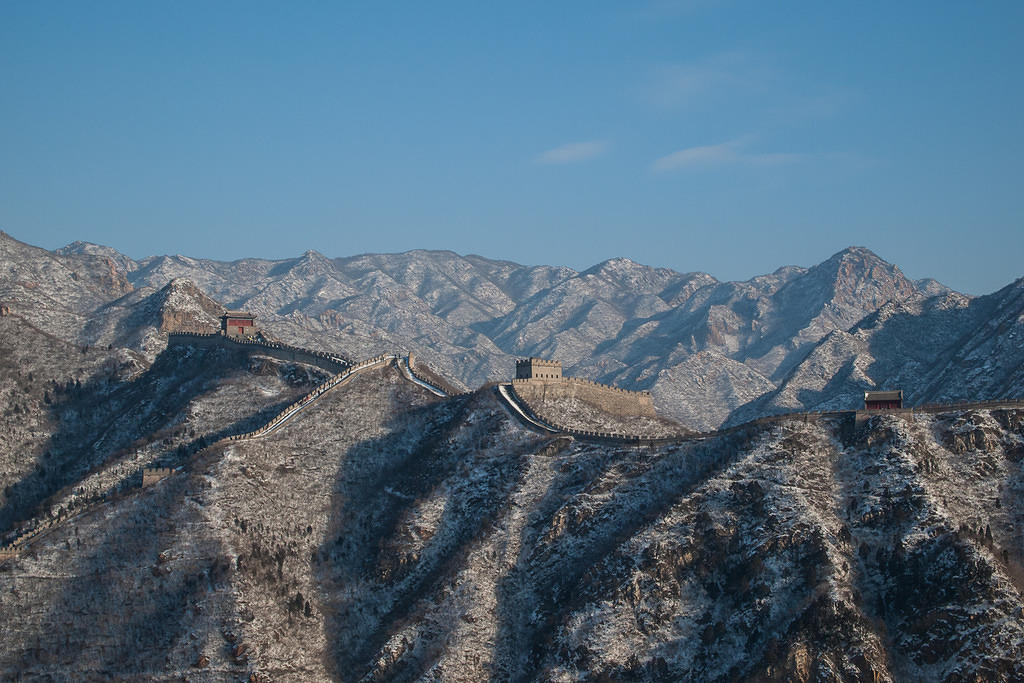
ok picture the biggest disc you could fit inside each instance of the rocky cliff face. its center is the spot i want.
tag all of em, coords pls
(141, 319)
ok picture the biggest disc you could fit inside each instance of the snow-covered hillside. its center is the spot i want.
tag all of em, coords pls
(388, 534)
(710, 352)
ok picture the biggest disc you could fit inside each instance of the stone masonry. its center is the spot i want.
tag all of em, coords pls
(152, 475)
(538, 380)
(538, 368)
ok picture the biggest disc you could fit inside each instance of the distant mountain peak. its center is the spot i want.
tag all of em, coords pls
(860, 257)
(310, 264)
(311, 257)
(932, 287)
(614, 265)
(854, 250)
(180, 283)
(78, 247)
(625, 271)
(861, 279)
(620, 261)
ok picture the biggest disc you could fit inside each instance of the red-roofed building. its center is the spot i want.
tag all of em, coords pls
(883, 400)
(238, 324)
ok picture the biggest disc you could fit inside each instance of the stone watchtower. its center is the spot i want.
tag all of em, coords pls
(238, 324)
(538, 368)
(540, 380)
(883, 400)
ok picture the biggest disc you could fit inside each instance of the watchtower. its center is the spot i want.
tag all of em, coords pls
(538, 368)
(883, 400)
(238, 324)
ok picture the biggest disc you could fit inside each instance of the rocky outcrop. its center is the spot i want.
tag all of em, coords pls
(185, 308)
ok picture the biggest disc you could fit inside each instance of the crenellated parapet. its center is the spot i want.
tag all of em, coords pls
(590, 435)
(330, 362)
(538, 368)
(547, 382)
(313, 395)
(581, 380)
(151, 475)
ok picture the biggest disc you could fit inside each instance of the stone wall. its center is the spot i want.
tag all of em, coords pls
(152, 475)
(332, 363)
(538, 368)
(530, 413)
(425, 373)
(602, 396)
(319, 391)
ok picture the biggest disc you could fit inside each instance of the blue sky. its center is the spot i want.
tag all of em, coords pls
(728, 137)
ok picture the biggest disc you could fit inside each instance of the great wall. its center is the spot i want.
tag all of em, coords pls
(330, 362)
(320, 390)
(147, 475)
(538, 379)
(855, 418)
(606, 398)
(510, 394)
(430, 379)
(513, 394)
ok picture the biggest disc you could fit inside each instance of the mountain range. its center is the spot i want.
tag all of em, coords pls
(388, 533)
(712, 353)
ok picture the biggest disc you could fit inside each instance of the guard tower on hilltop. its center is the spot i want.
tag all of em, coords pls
(538, 379)
(238, 324)
(883, 400)
(538, 368)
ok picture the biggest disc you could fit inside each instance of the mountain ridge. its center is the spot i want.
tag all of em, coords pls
(711, 352)
(386, 533)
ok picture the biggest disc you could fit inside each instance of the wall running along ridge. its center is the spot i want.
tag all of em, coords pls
(152, 475)
(546, 424)
(607, 398)
(425, 373)
(316, 393)
(856, 418)
(325, 361)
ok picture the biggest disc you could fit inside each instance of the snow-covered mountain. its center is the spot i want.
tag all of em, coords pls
(385, 533)
(390, 535)
(943, 348)
(709, 351)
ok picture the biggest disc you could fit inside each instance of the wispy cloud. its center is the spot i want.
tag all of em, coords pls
(573, 152)
(726, 153)
(727, 74)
